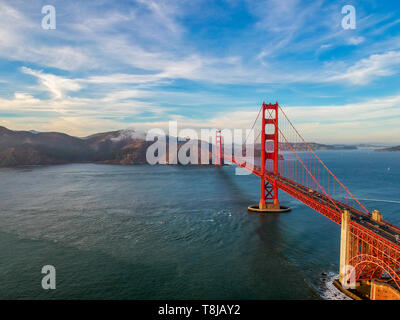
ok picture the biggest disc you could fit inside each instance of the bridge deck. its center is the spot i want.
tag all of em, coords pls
(325, 205)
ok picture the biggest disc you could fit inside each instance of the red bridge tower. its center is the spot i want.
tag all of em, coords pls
(269, 201)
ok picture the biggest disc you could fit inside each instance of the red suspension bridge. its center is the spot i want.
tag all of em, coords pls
(283, 160)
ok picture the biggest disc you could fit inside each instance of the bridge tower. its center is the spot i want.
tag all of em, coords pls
(218, 148)
(269, 201)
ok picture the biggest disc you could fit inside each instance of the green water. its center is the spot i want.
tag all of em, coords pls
(171, 232)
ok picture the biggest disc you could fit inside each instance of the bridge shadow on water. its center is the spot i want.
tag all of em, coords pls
(275, 276)
(268, 228)
(231, 187)
(284, 278)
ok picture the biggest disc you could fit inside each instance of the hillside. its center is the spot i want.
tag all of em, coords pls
(390, 149)
(31, 148)
(36, 148)
(115, 147)
(303, 147)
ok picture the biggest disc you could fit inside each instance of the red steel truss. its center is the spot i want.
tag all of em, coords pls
(374, 245)
(269, 189)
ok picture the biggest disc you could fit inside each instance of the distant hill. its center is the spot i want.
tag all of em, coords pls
(37, 148)
(28, 148)
(116, 147)
(303, 147)
(369, 146)
(390, 149)
(319, 146)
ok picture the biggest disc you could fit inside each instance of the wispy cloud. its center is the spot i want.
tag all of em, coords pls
(56, 85)
(356, 40)
(375, 66)
(139, 63)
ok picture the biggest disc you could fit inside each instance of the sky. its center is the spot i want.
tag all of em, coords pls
(137, 64)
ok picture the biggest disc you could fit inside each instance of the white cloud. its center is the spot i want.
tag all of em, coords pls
(92, 42)
(124, 58)
(385, 27)
(369, 121)
(22, 39)
(56, 85)
(365, 70)
(368, 110)
(121, 78)
(87, 42)
(355, 40)
(163, 13)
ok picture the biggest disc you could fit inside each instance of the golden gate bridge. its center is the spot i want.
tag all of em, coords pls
(283, 160)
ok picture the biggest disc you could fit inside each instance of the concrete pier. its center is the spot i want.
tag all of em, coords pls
(344, 247)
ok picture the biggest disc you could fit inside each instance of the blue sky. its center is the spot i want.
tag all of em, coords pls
(138, 64)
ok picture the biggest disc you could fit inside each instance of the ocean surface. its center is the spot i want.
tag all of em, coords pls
(175, 232)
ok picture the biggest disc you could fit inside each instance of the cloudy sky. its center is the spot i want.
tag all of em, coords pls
(138, 64)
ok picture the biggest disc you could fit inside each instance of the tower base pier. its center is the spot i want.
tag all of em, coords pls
(270, 208)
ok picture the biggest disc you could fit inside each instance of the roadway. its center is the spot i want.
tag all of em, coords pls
(382, 229)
